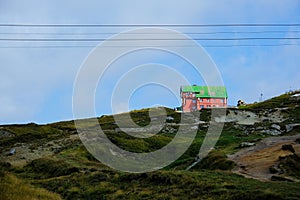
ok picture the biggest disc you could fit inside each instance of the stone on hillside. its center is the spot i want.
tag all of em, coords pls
(6, 134)
(295, 97)
(288, 147)
(281, 178)
(274, 169)
(276, 127)
(12, 152)
(249, 131)
(259, 128)
(241, 103)
(169, 129)
(239, 117)
(273, 132)
(169, 118)
(290, 127)
(238, 126)
(246, 144)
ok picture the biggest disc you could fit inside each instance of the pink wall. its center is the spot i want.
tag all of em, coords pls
(190, 102)
(189, 105)
(211, 102)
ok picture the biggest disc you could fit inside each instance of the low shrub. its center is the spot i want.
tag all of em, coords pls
(47, 168)
(215, 160)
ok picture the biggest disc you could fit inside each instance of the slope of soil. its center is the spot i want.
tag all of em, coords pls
(255, 161)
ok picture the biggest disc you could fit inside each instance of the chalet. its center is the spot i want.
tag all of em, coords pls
(197, 97)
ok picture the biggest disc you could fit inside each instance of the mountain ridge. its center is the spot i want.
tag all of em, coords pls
(52, 157)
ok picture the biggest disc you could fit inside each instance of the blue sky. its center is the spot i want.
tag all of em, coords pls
(36, 84)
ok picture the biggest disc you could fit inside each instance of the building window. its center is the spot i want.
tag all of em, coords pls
(222, 100)
(201, 100)
(208, 106)
(208, 100)
(201, 106)
(194, 100)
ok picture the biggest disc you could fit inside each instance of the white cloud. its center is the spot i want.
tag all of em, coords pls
(30, 77)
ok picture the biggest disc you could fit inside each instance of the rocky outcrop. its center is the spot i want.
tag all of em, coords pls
(274, 130)
(5, 134)
(246, 144)
(290, 127)
(244, 117)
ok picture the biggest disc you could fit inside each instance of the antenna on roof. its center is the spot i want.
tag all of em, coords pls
(290, 91)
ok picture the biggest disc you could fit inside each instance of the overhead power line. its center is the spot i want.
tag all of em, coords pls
(140, 39)
(135, 33)
(152, 25)
(118, 46)
(30, 35)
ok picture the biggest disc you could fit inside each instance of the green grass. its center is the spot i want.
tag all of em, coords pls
(29, 133)
(215, 160)
(178, 184)
(13, 188)
(290, 165)
(276, 102)
(74, 173)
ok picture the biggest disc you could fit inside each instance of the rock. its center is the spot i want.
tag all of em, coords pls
(296, 95)
(281, 178)
(169, 118)
(238, 126)
(259, 128)
(274, 170)
(239, 117)
(241, 103)
(256, 139)
(275, 132)
(276, 127)
(290, 127)
(243, 167)
(249, 131)
(12, 152)
(288, 147)
(169, 129)
(246, 144)
(271, 132)
(6, 134)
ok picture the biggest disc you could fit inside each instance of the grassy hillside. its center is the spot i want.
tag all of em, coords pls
(51, 162)
(15, 188)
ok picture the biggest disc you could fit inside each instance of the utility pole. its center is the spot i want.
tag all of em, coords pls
(261, 97)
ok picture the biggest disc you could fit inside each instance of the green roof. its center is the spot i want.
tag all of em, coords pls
(206, 91)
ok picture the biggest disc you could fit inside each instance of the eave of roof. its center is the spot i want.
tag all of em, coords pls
(206, 91)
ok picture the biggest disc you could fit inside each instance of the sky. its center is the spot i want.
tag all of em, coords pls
(37, 81)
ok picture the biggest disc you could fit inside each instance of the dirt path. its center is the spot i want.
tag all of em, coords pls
(255, 161)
